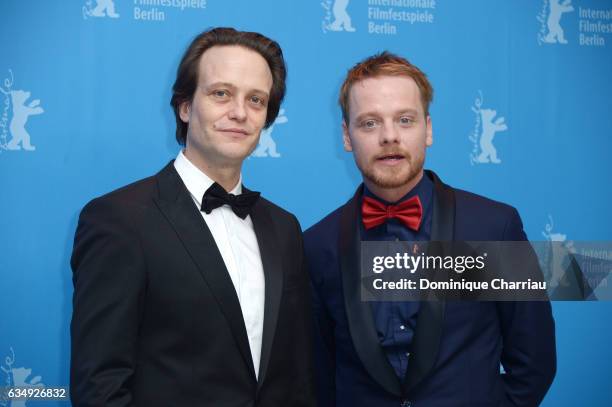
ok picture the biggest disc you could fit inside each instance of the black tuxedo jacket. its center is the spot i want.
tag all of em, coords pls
(156, 319)
(458, 345)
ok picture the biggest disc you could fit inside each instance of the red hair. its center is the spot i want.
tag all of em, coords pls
(384, 64)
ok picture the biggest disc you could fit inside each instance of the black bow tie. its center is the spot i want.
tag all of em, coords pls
(216, 196)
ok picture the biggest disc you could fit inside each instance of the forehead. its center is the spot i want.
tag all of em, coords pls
(385, 94)
(234, 64)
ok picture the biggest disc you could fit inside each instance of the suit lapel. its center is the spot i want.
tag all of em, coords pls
(428, 332)
(178, 207)
(359, 315)
(273, 272)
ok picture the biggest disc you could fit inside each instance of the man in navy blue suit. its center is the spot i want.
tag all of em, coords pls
(429, 353)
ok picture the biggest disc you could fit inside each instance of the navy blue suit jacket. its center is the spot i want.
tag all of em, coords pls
(457, 347)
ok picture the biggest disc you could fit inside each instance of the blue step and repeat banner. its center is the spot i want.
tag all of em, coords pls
(521, 114)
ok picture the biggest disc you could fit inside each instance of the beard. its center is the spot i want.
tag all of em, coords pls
(392, 177)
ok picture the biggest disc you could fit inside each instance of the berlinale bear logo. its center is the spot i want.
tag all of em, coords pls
(103, 8)
(485, 129)
(551, 31)
(20, 138)
(341, 18)
(267, 145)
(18, 377)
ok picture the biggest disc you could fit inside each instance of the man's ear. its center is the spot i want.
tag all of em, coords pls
(185, 111)
(346, 137)
(429, 130)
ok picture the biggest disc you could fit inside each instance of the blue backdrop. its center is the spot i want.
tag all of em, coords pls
(521, 114)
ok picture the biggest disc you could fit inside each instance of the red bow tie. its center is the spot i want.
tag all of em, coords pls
(408, 212)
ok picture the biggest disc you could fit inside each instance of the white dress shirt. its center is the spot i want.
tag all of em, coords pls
(237, 243)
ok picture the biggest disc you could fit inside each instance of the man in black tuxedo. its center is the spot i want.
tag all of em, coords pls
(190, 290)
(422, 354)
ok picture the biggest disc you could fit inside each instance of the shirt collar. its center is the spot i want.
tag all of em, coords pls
(196, 181)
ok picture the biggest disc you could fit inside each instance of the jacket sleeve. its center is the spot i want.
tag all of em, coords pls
(109, 280)
(324, 344)
(304, 376)
(529, 349)
(323, 327)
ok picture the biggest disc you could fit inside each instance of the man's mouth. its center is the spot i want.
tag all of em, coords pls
(390, 158)
(235, 131)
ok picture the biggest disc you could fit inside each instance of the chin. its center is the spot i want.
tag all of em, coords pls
(391, 179)
(237, 157)
(390, 183)
(237, 151)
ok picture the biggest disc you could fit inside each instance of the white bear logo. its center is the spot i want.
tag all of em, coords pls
(548, 232)
(267, 146)
(485, 128)
(103, 8)
(342, 20)
(560, 247)
(555, 32)
(488, 152)
(21, 113)
(21, 379)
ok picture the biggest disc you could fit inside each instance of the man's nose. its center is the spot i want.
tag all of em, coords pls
(238, 111)
(388, 134)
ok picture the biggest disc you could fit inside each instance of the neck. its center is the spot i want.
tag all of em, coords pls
(225, 175)
(393, 195)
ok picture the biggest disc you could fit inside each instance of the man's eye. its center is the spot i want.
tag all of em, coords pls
(406, 120)
(220, 93)
(369, 124)
(258, 100)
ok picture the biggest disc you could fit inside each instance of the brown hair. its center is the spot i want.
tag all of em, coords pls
(187, 73)
(383, 64)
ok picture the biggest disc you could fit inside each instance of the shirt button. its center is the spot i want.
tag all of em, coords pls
(406, 403)
(402, 327)
(408, 354)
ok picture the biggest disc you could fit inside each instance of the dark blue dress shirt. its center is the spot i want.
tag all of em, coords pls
(396, 321)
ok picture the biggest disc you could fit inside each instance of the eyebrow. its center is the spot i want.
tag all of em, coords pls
(376, 114)
(362, 116)
(409, 111)
(232, 86)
